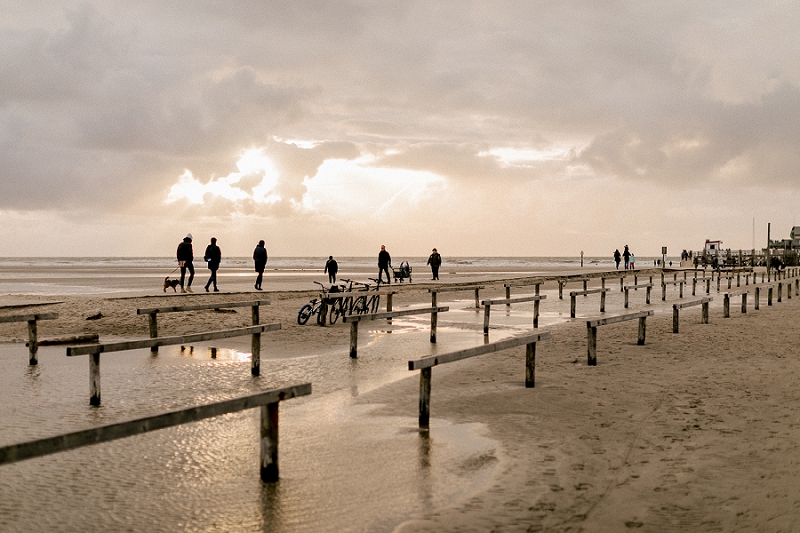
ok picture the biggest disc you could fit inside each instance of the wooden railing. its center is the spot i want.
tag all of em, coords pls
(267, 400)
(33, 332)
(354, 320)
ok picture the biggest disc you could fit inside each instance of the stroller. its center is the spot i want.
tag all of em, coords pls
(404, 272)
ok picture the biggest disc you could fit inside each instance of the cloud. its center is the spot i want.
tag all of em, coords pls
(104, 105)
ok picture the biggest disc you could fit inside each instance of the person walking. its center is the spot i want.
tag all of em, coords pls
(331, 267)
(384, 262)
(260, 259)
(435, 261)
(185, 258)
(626, 254)
(617, 257)
(632, 261)
(213, 257)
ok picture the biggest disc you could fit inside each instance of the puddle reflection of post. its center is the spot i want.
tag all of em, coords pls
(425, 483)
(271, 512)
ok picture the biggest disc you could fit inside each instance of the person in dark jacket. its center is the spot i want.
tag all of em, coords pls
(435, 261)
(260, 258)
(626, 255)
(617, 257)
(384, 262)
(331, 267)
(213, 257)
(185, 258)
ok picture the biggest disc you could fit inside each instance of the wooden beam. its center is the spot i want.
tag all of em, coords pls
(200, 307)
(434, 360)
(618, 318)
(28, 318)
(394, 314)
(77, 439)
(518, 300)
(168, 341)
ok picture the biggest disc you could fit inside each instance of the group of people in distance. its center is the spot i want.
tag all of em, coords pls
(627, 255)
(213, 257)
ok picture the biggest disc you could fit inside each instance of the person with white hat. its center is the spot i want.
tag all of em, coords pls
(185, 258)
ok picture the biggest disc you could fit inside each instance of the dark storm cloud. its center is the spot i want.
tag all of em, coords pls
(104, 104)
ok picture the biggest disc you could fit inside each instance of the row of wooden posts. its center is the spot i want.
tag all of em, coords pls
(268, 401)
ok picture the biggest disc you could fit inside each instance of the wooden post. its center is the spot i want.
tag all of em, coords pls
(33, 343)
(269, 442)
(642, 330)
(769, 296)
(780, 291)
(425, 397)
(486, 309)
(704, 319)
(561, 289)
(94, 379)
(530, 365)
(603, 302)
(389, 305)
(675, 318)
(738, 279)
(354, 339)
(434, 320)
(536, 312)
(255, 359)
(153, 323)
(708, 286)
(626, 298)
(680, 295)
(730, 279)
(755, 305)
(635, 280)
(254, 315)
(621, 281)
(572, 305)
(323, 312)
(719, 279)
(663, 291)
(477, 300)
(584, 286)
(591, 344)
(694, 286)
(726, 306)
(744, 302)
(647, 301)
(508, 295)
(602, 283)
(213, 353)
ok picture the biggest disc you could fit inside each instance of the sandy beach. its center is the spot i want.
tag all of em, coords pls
(694, 431)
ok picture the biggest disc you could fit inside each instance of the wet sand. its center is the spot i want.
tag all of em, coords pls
(692, 431)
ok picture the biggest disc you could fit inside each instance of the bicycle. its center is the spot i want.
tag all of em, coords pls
(357, 304)
(313, 308)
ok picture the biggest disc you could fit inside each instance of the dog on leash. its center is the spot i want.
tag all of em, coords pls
(171, 283)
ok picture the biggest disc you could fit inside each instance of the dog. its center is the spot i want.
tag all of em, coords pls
(171, 283)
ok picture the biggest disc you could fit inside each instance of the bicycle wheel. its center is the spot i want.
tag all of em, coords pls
(360, 305)
(375, 303)
(336, 310)
(304, 314)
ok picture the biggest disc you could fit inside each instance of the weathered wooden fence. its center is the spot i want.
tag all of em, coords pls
(487, 304)
(354, 320)
(33, 332)
(677, 307)
(267, 400)
(94, 351)
(592, 325)
(425, 364)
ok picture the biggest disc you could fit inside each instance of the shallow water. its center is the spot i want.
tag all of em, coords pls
(344, 467)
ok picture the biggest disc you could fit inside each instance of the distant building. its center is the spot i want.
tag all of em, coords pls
(714, 248)
(795, 236)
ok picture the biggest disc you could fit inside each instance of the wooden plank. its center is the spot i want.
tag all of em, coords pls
(72, 339)
(616, 319)
(340, 295)
(587, 292)
(639, 286)
(77, 439)
(28, 318)
(513, 300)
(455, 289)
(693, 303)
(168, 341)
(394, 314)
(434, 360)
(200, 307)
(736, 293)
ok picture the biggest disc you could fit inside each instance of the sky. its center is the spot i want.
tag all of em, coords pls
(486, 128)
